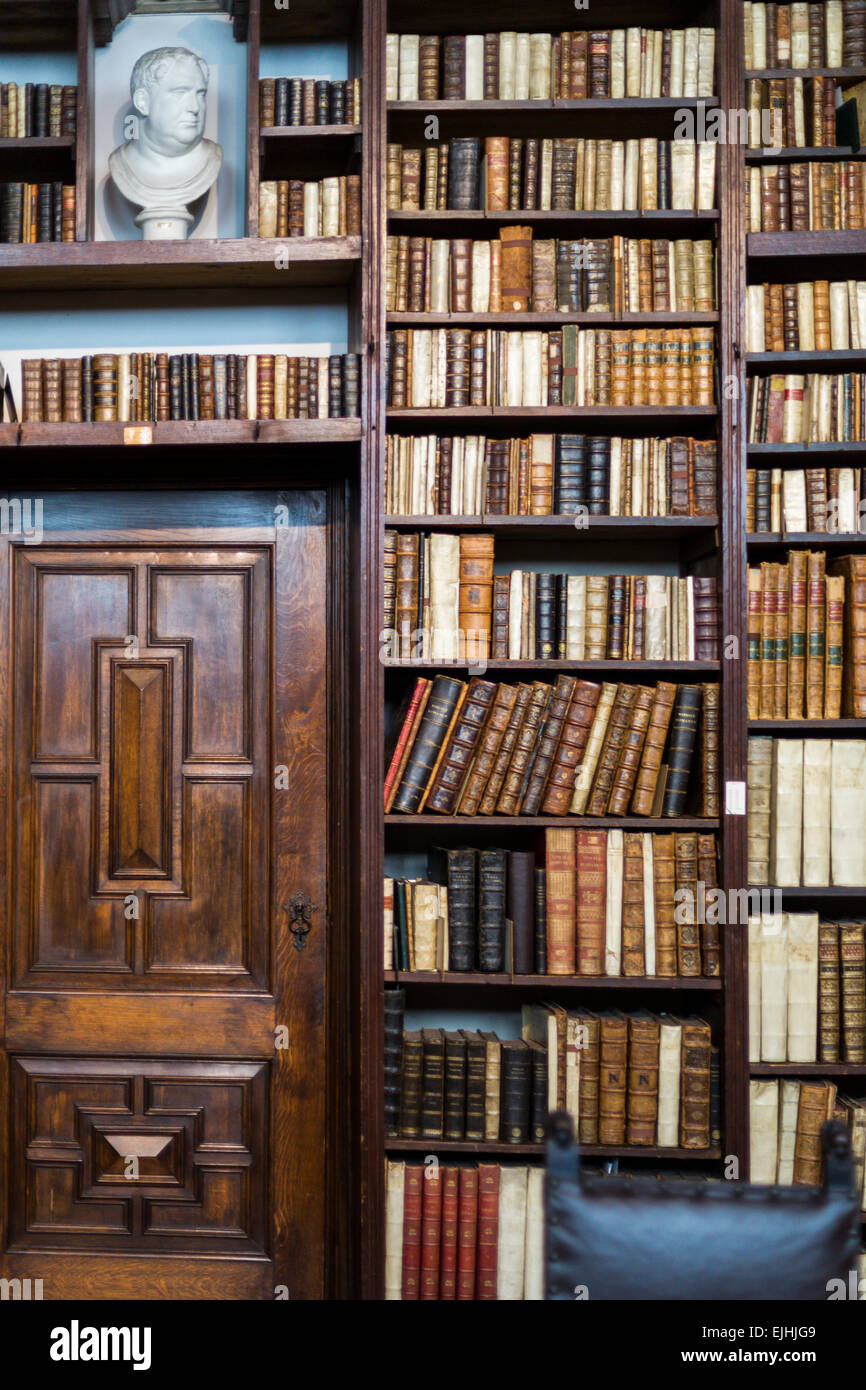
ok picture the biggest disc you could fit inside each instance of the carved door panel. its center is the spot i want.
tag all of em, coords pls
(161, 1144)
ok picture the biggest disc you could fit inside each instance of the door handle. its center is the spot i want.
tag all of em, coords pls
(300, 910)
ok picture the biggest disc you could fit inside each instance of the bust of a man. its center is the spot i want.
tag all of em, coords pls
(168, 164)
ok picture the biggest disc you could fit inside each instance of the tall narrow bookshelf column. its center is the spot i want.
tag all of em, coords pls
(525, 478)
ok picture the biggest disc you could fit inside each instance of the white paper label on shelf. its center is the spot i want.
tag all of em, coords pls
(735, 798)
(138, 434)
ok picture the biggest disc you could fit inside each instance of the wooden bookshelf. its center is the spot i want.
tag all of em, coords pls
(470, 1147)
(430, 979)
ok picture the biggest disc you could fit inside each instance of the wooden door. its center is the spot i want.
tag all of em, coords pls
(164, 735)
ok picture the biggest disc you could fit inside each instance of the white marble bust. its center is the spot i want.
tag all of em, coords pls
(168, 164)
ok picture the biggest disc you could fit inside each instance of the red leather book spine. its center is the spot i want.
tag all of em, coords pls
(412, 1231)
(488, 1230)
(448, 1243)
(431, 1231)
(467, 1233)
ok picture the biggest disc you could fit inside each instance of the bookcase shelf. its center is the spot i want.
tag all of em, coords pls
(622, 669)
(801, 452)
(837, 360)
(841, 74)
(468, 1146)
(659, 220)
(804, 154)
(174, 433)
(585, 527)
(835, 892)
(551, 412)
(807, 1069)
(770, 245)
(435, 979)
(772, 540)
(807, 726)
(467, 823)
(539, 318)
(226, 264)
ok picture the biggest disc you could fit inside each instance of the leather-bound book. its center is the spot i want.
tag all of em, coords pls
(681, 746)
(488, 1231)
(428, 67)
(829, 992)
(438, 715)
(464, 155)
(709, 744)
(833, 648)
(852, 970)
(633, 954)
(521, 910)
(643, 1078)
(454, 67)
(488, 749)
(323, 102)
(611, 749)
(541, 921)
(613, 1074)
(567, 758)
(413, 1200)
(461, 275)
(545, 617)
(630, 757)
(411, 1084)
(529, 199)
(308, 101)
(488, 803)
(491, 910)
(852, 568)
(105, 387)
(515, 174)
(664, 889)
(460, 746)
(516, 268)
(706, 618)
(816, 1106)
(557, 713)
(708, 875)
(72, 404)
(457, 868)
(560, 888)
(538, 1106)
(591, 900)
(476, 1085)
(815, 634)
(339, 99)
(598, 475)
(570, 473)
(688, 930)
(476, 593)
(616, 617)
(595, 742)
(433, 1083)
(52, 390)
(431, 1234)
(695, 1085)
(516, 1092)
(450, 1180)
(406, 593)
(395, 1001)
(455, 1086)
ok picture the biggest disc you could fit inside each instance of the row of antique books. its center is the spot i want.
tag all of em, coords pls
(807, 989)
(626, 1078)
(800, 409)
(550, 475)
(516, 272)
(291, 207)
(808, 197)
(802, 111)
(309, 101)
(807, 804)
(582, 902)
(37, 109)
(807, 637)
(502, 174)
(576, 746)
(831, 34)
(809, 316)
(37, 212)
(805, 499)
(464, 1231)
(785, 1119)
(158, 386)
(451, 367)
(440, 587)
(567, 66)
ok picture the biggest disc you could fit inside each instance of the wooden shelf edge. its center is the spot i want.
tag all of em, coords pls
(504, 664)
(425, 821)
(534, 317)
(450, 978)
(552, 104)
(111, 434)
(492, 521)
(464, 1146)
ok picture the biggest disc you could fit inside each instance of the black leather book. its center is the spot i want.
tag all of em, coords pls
(431, 731)
(411, 1084)
(351, 385)
(664, 179)
(457, 869)
(335, 387)
(463, 164)
(337, 103)
(323, 102)
(185, 386)
(562, 616)
(538, 1093)
(87, 389)
(11, 213)
(476, 1085)
(395, 1004)
(568, 276)
(545, 617)
(57, 212)
(194, 386)
(570, 474)
(598, 475)
(433, 1083)
(541, 921)
(491, 910)
(515, 1092)
(42, 109)
(175, 386)
(296, 101)
(281, 101)
(455, 1086)
(681, 747)
(521, 909)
